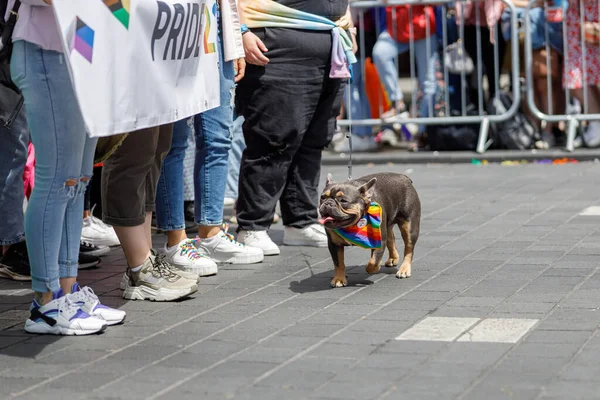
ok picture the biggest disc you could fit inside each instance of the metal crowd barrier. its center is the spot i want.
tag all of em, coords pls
(573, 120)
(447, 119)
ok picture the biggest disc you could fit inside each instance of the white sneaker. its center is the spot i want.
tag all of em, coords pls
(225, 249)
(360, 144)
(313, 235)
(259, 240)
(157, 281)
(187, 257)
(229, 202)
(62, 316)
(89, 302)
(98, 233)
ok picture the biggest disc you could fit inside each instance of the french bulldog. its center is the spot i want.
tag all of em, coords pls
(350, 212)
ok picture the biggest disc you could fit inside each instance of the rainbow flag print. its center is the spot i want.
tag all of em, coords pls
(367, 232)
(81, 39)
(120, 10)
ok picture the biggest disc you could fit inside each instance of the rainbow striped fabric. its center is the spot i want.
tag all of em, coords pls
(367, 232)
(270, 14)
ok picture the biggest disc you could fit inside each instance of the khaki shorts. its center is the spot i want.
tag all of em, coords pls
(130, 176)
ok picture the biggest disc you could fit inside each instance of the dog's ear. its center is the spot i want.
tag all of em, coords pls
(368, 189)
(329, 180)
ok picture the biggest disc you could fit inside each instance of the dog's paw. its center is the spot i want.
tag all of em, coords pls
(338, 282)
(373, 268)
(404, 272)
(392, 262)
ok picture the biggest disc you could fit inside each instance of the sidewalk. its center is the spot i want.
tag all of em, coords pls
(504, 303)
(402, 156)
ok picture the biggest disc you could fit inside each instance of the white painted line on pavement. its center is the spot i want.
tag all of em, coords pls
(443, 329)
(499, 330)
(591, 211)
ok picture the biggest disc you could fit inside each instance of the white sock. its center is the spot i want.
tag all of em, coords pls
(136, 269)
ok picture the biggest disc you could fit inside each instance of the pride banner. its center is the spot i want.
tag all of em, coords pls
(140, 63)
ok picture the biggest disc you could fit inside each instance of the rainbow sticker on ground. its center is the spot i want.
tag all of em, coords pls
(81, 39)
(120, 10)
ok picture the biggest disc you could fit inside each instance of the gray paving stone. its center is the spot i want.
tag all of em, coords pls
(489, 214)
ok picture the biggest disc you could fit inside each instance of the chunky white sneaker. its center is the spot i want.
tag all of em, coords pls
(97, 232)
(259, 240)
(187, 257)
(313, 235)
(85, 298)
(228, 202)
(225, 249)
(157, 281)
(62, 316)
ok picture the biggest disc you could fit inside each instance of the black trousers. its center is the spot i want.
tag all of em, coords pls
(487, 58)
(289, 108)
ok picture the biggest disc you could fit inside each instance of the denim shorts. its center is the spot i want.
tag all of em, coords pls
(538, 26)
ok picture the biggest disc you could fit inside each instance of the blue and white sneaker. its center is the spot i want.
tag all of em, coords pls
(62, 316)
(85, 298)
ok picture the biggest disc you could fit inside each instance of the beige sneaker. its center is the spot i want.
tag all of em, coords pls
(157, 281)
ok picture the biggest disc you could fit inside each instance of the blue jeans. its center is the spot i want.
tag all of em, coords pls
(238, 144)
(64, 162)
(359, 102)
(13, 156)
(538, 26)
(213, 141)
(384, 56)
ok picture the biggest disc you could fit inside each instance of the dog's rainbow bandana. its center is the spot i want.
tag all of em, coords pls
(367, 231)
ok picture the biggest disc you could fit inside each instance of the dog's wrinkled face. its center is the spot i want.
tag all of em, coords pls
(343, 204)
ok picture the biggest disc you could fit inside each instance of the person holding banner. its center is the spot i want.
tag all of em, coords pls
(64, 157)
(299, 54)
(213, 129)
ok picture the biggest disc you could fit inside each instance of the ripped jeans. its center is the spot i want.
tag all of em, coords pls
(64, 161)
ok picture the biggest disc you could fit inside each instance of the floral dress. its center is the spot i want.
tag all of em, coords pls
(574, 65)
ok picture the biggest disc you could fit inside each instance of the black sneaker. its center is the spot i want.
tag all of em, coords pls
(93, 250)
(14, 264)
(88, 261)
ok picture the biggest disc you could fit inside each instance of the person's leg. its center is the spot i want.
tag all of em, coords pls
(385, 53)
(213, 143)
(124, 192)
(363, 139)
(426, 62)
(13, 156)
(235, 158)
(14, 262)
(59, 148)
(169, 193)
(52, 228)
(299, 201)
(179, 251)
(71, 235)
(129, 183)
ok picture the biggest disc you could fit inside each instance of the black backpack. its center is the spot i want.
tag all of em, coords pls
(455, 137)
(516, 133)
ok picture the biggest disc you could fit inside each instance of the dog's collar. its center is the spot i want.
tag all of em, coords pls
(367, 231)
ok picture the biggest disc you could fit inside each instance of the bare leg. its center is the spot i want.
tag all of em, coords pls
(135, 243)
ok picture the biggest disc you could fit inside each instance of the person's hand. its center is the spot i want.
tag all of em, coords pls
(254, 48)
(49, 2)
(354, 43)
(240, 69)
